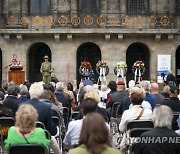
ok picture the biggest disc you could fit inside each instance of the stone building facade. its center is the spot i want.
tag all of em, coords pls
(70, 31)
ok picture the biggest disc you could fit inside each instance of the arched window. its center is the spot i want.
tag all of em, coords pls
(91, 52)
(39, 7)
(138, 6)
(137, 51)
(178, 7)
(178, 64)
(88, 6)
(0, 66)
(1, 6)
(36, 53)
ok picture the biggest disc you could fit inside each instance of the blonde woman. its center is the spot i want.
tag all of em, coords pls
(94, 95)
(25, 131)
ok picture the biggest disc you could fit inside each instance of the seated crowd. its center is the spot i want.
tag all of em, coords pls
(86, 116)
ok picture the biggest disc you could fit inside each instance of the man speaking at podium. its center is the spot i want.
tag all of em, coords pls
(46, 70)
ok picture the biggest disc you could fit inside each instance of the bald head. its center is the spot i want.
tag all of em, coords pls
(154, 88)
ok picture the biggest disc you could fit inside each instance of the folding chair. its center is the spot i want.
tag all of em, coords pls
(57, 122)
(48, 136)
(40, 125)
(5, 124)
(136, 129)
(174, 121)
(113, 118)
(137, 132)
(140, 124)
(74, 115)
(134, 133)
(114, 109)
(66, 116)
(27, 149)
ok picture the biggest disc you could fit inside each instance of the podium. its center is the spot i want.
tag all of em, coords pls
(16, 74)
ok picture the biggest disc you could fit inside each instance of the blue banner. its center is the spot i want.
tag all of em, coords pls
(162, 73)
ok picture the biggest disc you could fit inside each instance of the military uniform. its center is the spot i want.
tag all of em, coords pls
(46, 70)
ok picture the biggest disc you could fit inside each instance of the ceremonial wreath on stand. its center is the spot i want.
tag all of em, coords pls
(85, 70)
(120, 71)
(138, 70)
(102, 70)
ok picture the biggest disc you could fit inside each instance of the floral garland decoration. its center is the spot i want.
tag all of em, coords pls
(138, 70)
(85, 69)
(101, 64)
(102, 68)
(138, 65)
(121, 69)
(121, 64)
(86, 65)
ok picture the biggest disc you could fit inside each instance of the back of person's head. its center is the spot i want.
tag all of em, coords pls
(5, 86)
(136, 95)
(103, 87)
(45, 95)
(23, 90)
(59, 86)
(28, 84)
(88, 88)
(13, 90)
(49, 87)
(166, 89)
(69, 86)
(146, 85)
(11, 83)
(154, 87)
(26, 116)
(89, 105)
(121, 85)
(174, 91)
(53, 84)
(131, 83)
(36, 90)
(95, 86)
(112, 85)
(162, 116)
(94, 134)
(92, 94)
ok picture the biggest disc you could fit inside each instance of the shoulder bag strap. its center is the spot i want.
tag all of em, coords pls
(25, 138)
(140, 114)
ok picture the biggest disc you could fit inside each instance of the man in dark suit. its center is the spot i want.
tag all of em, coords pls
(43, 109)
(117, 96)
(161, 139)
(173, 102)
(11, 101)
